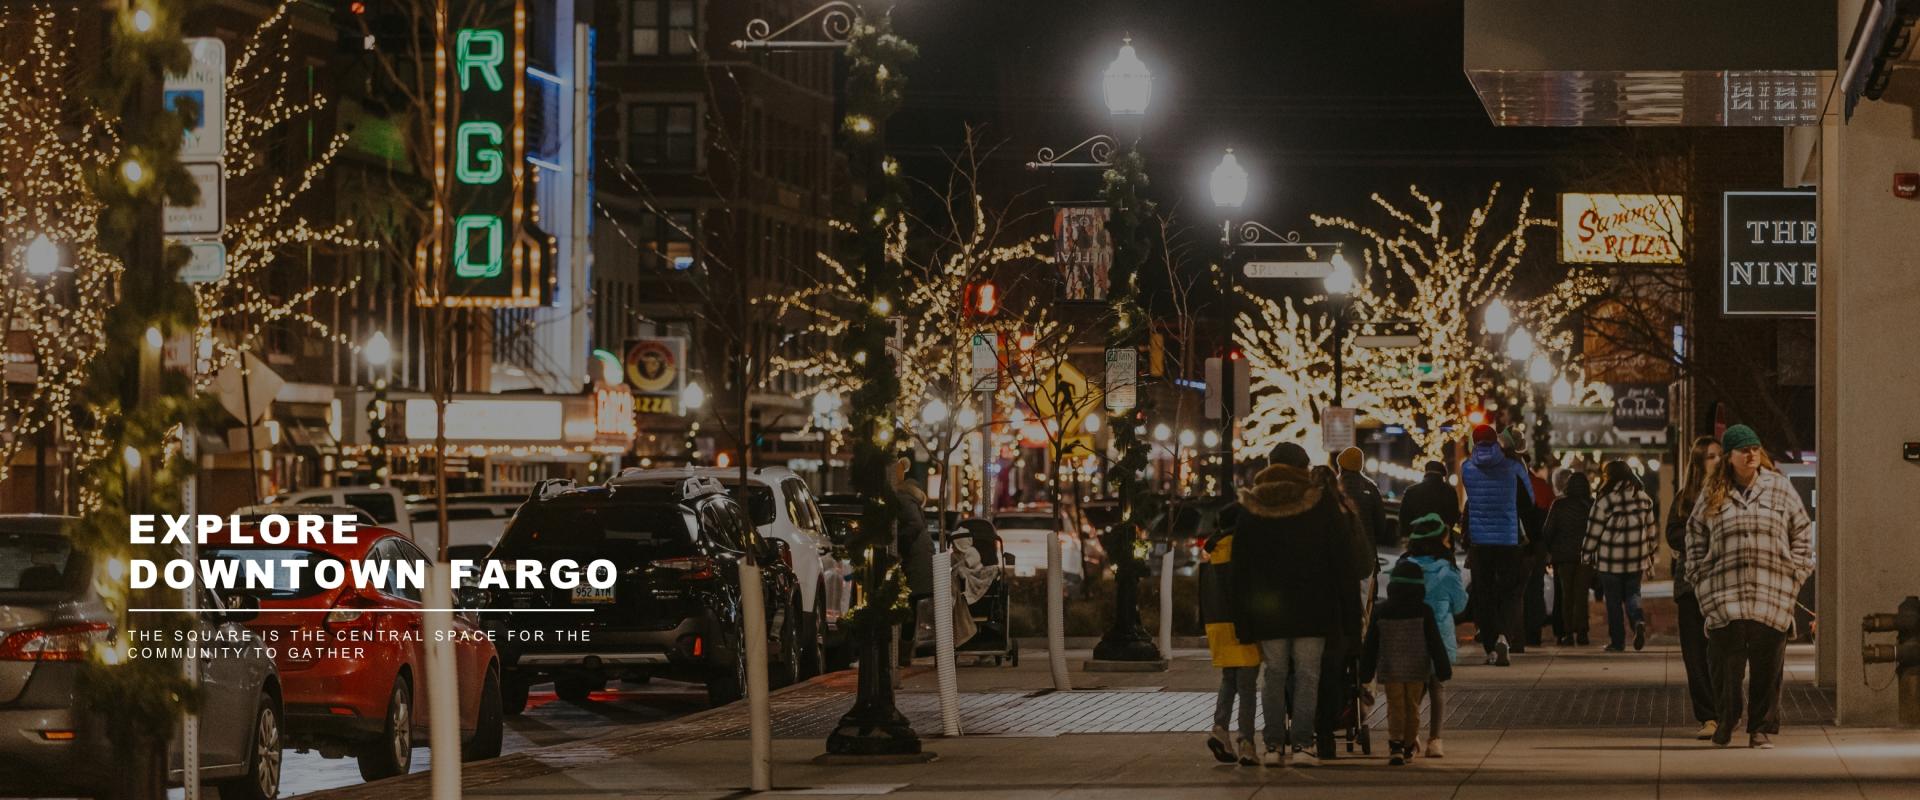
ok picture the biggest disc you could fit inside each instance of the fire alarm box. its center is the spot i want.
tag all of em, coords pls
(1906, 185)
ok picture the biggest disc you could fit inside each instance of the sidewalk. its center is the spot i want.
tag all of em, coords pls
(1575, 722)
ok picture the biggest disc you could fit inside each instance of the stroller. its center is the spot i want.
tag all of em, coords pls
(991, 613)
(1357, 698)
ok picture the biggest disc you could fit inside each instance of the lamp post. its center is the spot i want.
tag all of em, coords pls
(1228, 186)
(42, 260)
(1340, 289)
(826, 415)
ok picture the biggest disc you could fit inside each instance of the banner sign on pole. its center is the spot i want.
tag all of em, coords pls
(1771, 252)
(986, 363)
(1336, 429)
(1083, 249)
(1123, 378)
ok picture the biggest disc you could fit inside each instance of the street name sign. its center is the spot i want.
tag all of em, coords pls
(1336, 429)
(1287, 269)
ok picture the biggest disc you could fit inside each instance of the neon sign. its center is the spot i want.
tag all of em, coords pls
(484, 249)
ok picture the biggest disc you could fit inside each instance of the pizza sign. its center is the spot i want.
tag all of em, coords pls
(656, 365)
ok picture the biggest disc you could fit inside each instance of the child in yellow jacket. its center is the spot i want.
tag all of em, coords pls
(1239, 662)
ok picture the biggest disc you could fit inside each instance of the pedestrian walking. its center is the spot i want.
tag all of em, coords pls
(1621, 537)
(1749, 548)
(1566, 535)
(1702, 459)
(1495, 542)
(1293, 583)
(1364, 494)
(1339, 660)
(1432, 495)
(1238, 662)
(1404, 650)
(1430, 545)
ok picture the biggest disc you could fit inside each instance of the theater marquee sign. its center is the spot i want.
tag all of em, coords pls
(1622, 228)
(1771, 245)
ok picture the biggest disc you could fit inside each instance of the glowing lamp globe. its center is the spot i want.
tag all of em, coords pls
(1128, 83)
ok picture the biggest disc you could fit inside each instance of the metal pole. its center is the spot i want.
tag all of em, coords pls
(190, 722)
(759, 712)
(943, 637)
(443, 685)
(1227, 411)
(1339, 357)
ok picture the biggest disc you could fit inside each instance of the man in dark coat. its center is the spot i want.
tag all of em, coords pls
(1432, 495)
(1365, 496)
(1293, 588)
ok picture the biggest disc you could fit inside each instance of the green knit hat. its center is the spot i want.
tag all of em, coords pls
(1426, 527)
(1737, 437)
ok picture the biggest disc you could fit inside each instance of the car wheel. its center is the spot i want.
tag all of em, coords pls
(392, 753)
(262, 780)
(786, 671)
(513, 694)
(577, 688)
(813, 657)
(490, 727)
(729, 682)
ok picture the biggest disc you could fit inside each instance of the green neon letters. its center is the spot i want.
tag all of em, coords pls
(481, 49)
(490, 163)
(464, 264)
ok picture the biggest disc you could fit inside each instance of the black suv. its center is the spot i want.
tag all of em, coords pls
(674, 611)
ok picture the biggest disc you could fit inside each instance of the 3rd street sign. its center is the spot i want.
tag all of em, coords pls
(1287, 269)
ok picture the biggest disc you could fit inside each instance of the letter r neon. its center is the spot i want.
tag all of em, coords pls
(482, 49)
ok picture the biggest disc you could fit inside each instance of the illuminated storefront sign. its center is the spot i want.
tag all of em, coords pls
(657, 371)
(1770, 253)
(489, 420)
(1622, 229)
(484, 249)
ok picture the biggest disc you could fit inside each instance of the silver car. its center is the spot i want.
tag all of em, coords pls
(51, 618)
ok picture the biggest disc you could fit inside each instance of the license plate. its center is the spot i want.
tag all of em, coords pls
(590, 595)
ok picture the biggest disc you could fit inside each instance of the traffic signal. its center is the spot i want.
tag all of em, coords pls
(983, 299)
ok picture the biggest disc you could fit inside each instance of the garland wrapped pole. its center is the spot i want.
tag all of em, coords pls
(874, 726)
(138, 410)
(1124, 191)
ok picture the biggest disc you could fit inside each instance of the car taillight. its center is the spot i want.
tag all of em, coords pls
(349, 613)
(64, 643)
(692, 568)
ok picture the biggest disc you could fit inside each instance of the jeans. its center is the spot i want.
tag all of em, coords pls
(1571, 582)
(1237, 682)
(1747, 651)
(1500, 583)
(1293, 670)
(1403, 710)
(1693, 652)
(1622, 591)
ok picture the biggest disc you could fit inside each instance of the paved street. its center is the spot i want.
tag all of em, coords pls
(1576, 720)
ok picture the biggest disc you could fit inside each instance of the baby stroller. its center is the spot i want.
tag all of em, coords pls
(1357, 697)
(991, 613)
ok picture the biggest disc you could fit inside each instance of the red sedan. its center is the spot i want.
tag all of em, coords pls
(353, 660)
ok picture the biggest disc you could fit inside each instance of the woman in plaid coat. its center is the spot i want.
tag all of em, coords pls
(1749, 547)
(1621, 536)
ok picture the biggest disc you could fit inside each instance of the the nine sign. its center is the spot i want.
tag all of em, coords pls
(1771, 247)
(485, 250)
(1622, 229)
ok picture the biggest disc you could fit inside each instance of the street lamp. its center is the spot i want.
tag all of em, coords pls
(693, 397)
(1540, 370)
(1340, 289)
(1497, 318)
(378, 352)
(935, 412)
(1228, 186)
(42, 256)
(1520, 345)
(1162, 433)
(1128, 83)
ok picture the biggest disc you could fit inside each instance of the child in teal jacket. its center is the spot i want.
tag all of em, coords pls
(1430, 546)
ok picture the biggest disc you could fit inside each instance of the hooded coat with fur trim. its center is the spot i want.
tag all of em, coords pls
(1291, 576)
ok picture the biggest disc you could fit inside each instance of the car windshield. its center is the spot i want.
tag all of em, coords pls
(289, 573)
(758, 500)
(625, 534)
(39, 562)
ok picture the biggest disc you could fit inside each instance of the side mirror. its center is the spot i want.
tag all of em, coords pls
(240, 608)
(779, 550)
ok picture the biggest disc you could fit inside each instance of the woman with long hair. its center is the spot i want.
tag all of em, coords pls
(1749, 547)
(1620, 546)
(1566, 536)
(1702, 459)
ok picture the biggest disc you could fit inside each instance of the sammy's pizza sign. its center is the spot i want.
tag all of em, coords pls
(1622, 228)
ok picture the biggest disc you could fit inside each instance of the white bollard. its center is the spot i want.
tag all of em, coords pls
(1166, 603)
(190, 723)
(1056, 617)
(443, 685)
(759, 713)
(943, 640)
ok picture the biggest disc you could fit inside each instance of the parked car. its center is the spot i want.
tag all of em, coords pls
(373, 708)
(1024, 536)
(677, 544)
(253, 514)
(51, 619)
(782, 507)
(387, 506)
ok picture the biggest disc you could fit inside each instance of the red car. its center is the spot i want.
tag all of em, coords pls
(354, 676)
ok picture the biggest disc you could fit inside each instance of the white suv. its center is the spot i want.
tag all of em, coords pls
(782, 507)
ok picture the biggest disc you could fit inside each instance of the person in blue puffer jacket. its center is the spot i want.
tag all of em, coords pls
(1496, 484)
